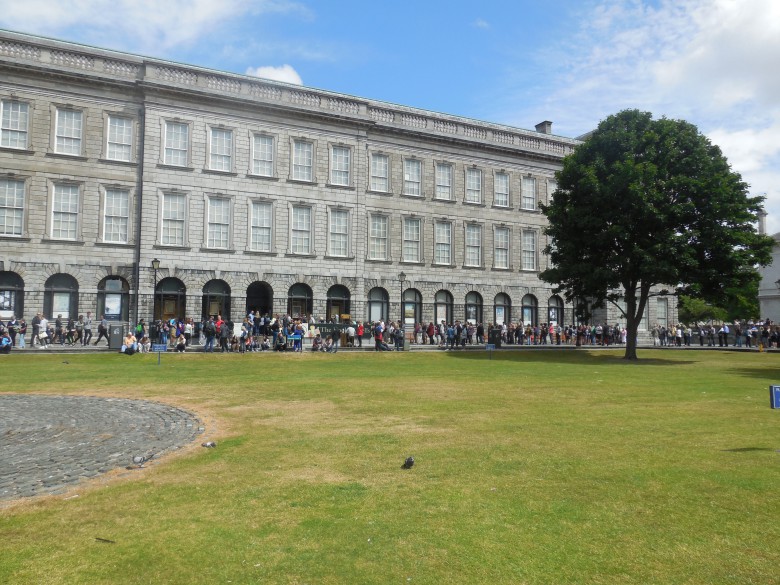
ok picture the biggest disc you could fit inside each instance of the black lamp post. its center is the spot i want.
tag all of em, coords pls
(402, 279)
(155, 267)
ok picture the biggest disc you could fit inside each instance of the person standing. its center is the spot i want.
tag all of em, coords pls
(36, 328)
(43, 332)
(13, 329)
(102, 329)
(87, 328)
(210, 331)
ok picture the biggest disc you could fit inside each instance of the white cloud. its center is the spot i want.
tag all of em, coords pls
(284, 73)
(481, 23)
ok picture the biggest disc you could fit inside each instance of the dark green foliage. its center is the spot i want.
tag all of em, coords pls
(646, 202)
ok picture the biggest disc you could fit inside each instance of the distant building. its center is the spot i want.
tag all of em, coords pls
(248, 194)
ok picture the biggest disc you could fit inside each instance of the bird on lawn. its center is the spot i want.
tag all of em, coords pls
(408, 463)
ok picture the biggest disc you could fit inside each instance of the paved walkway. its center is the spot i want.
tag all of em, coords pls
(48, 443)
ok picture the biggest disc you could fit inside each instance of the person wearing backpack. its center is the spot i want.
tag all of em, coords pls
(210, 331)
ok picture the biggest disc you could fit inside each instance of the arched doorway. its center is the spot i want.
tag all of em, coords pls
(300, 301)
(502, 309)
(530, 310)
(113, 298)
(412, 308)
(378, 305)
(443, 307)
(216, 300)
(11, 295)
(260, 297)
(61, 297)
(170, 299)
(554, 310)
(337, 303)
(473, 308)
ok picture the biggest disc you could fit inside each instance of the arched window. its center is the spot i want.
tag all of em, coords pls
(11, 295)
(216, 300)
(582, 312)
(300, 302)
(61, 297)
(473, 308)
(502, 309)
(443, 307)
(555, 310)
(170, 299)
(378, 305)
(113, 299)
(338, 303)
(260, 297)
(530, 310)
(412, 308)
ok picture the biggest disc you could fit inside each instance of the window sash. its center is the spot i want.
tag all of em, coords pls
(339, 232)
(261, 226)
(65, 212)
(11, 207)
(473, 186)
(263, 156)
(221, 155)
(68, 133)
(116, 216)
(473, 245)
(340, 166)
(529, 193)
(443, 243)
(501, 196)
(412, 177)
(176, 143)
(301, 230)
(501, 248)
(529, 250)
(444, 182)
(219, 223)
(377, 245)
(380, 165)
(120, 138)
(173, 219)
(411, 240)
(303, 157)
(13, 124)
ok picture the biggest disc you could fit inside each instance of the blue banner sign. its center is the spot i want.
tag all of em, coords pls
(774, 396)
(158, 347)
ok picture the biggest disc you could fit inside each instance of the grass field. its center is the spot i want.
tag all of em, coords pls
(532, 467)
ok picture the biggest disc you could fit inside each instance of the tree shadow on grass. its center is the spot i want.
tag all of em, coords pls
(566, 356)
(747, 449)
(770, 375)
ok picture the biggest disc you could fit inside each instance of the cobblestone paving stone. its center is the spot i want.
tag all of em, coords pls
(49, 443)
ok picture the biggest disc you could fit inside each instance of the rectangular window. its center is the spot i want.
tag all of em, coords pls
(65, 212)
(529, 250)
(117, 215)
(301, 230)
(529, 194)
(411, 251)
(262, 223)
(473, 186)
(412, 177)
(68, 133)
(263, 155)
(303, 159)
(11, 207)
(339, 165)
(552, 186)
(501, 248)
(219, 223)
(177, 140)
(339, 232)
(377, 238)
(221, 155)
(120, 139)
(173, 218)
(661, 315)
(442, 243)
(380, 166)
(13, 124)
(501, 190)
(444, 182)
(473, 245)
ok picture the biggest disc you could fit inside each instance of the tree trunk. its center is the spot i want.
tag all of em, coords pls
(632, 326)
(635, 308)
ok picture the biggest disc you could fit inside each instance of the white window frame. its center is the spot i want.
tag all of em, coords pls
(530, 260)
(119, 139)
(339, 220)
(413, 177)
(472, 256)
(116, 215)
(14, 124)
(528, 194)
(442, 243)
(220, 149)
(473, 186)
(301, 232)
(173, 220)
(380, 173)
(552, 185)
(263, 156)
(340, 165)
(218, 220)
(411, 250)
(501, 251)
(173, 143)
(12, 207)
(302, 168)
(501, 190)
(69, 131)
(378, 236)
(444, 173)
(262, 226)
(66, 202)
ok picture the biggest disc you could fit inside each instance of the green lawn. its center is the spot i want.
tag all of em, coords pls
(532, 467)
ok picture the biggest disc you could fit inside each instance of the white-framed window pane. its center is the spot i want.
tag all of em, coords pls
(529, 193)
(411, 251)
(380, 165)
(501, 248)
(120, 138)
(173, 219)
(473, 245)
(262, 223)
(473, 186)
(552, 186)
(301, 230)
(501, 195)
(117, 214)
(219, 222)
(14, 123)
(412, 177)
(221, 155)
(340, 163)
(303, 157)
(443, 243)
(377, 237)
(263, 155)
(529, 250)
(65, 212)
(444, 182)
(662, 311)
(177, 136)
(68, 133)
(11, 207)
(339, 232)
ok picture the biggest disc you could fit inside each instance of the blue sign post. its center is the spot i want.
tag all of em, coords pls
(159, 348)
(774, 396)
(490, 348)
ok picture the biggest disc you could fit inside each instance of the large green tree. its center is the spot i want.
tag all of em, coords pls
(646, 207)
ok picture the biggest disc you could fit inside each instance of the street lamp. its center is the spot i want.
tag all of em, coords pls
(155, 267)
(402, 279)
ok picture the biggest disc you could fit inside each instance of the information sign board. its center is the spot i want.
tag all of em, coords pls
(774, 396)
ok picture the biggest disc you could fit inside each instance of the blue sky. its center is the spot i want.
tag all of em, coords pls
(711, 62)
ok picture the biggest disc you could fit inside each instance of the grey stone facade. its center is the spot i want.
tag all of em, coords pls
(154, 133)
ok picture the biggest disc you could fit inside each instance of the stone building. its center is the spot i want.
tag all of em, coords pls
(138, 187)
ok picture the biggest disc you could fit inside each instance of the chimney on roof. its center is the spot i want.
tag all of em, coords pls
(544, 127)
(762, 221)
